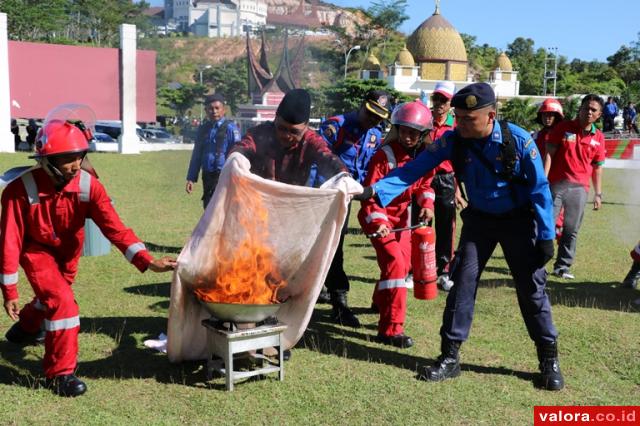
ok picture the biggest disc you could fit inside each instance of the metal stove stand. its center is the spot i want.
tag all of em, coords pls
(225, 340)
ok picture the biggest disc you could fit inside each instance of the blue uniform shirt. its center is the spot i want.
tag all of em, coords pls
(486, 191)
(353, 145)
(206, 155)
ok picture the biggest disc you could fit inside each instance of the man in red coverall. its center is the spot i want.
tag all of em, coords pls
(42, 226)
(413, 121)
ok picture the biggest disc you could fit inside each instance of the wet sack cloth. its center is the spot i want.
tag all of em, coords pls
(297, 227)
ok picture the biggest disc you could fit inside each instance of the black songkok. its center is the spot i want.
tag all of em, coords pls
(295, 107)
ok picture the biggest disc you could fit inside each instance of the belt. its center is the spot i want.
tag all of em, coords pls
(511, 214)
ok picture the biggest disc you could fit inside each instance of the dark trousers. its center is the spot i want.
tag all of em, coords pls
(337, 281)
(608, 124)
(515, 233)
(209, 183)
(444, 186)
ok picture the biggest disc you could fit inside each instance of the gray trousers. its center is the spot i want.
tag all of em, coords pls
(572, 197)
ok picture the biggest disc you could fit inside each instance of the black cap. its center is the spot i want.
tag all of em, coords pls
(377, 102)
(474, 96)
(216, 97)
(295, 107)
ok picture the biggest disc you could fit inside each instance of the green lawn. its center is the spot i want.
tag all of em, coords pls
(336, 375)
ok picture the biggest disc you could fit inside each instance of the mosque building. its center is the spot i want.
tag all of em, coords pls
(435, 52)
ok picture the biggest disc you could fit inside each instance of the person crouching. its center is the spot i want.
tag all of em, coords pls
(42, 226)
(412, 121)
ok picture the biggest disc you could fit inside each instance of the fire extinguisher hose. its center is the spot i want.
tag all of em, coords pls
(408, 228)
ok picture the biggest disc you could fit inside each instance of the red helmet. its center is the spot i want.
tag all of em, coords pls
(551, 105)
(413, 114)
(66, 130)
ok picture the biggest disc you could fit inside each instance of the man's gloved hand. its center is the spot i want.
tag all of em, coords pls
(367, 193)
(546, 250)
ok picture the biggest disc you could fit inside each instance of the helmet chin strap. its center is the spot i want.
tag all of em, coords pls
(52, 171)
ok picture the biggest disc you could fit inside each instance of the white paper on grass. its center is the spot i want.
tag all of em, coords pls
(304, 231)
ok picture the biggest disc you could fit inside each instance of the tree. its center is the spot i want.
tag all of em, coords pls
(520, 111)
(347, 95)
(387, 16)
(181, 98)
(229, 79)
(30, 20)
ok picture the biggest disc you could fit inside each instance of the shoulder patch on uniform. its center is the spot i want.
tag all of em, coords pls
(533, 153)
(329, 131)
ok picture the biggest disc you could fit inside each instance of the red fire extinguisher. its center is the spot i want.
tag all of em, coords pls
(423, 262)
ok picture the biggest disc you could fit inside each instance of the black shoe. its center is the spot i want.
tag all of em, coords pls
(324, 297)
(398, 340)
(632, 280)
(20, 337)
(67, 385)
(550, 374)
(344, 316)
(341, 314)
(374, 308)
(447, 365)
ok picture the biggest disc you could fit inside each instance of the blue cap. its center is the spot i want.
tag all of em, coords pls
(474, 96)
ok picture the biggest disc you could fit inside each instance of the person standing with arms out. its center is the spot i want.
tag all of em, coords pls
(549, 115)
(413, 122)
(42, 225)
(510, 205)
(575, 153)
(610, 112)
(448, 195)
(354, 137)
(214, 139)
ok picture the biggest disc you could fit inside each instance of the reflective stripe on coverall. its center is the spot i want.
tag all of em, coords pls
(43, 231)
(393, 252)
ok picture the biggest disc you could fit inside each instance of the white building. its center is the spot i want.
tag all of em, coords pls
(435, 52)
(216, 18)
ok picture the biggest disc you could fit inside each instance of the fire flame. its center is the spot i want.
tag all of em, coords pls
(243, 273)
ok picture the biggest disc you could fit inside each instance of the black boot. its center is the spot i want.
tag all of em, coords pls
(550, 374)
(323, 297)
(633, 277)
(20, 337)
(67, 385)
(447, 365)
(341, 313)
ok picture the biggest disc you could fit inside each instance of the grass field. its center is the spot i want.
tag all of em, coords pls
(336, 375)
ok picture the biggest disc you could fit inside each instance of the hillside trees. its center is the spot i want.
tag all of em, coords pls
(72, 21)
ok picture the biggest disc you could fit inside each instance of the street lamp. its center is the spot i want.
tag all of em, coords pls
(201, 68)
(346, 58)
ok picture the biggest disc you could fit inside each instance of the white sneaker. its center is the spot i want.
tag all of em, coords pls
(444, 282)
(568, 276)
(408, 282)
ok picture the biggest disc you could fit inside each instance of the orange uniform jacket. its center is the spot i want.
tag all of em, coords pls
(36, 218)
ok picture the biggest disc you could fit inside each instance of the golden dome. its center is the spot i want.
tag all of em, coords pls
(436, 39)
(371, 63)
(404, 58)
(503, 62)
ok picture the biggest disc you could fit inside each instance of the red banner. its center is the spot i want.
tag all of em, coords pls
(42, 76)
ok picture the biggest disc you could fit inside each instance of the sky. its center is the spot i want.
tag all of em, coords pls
(582, 29)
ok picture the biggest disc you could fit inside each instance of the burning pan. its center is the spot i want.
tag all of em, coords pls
(238, 312)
